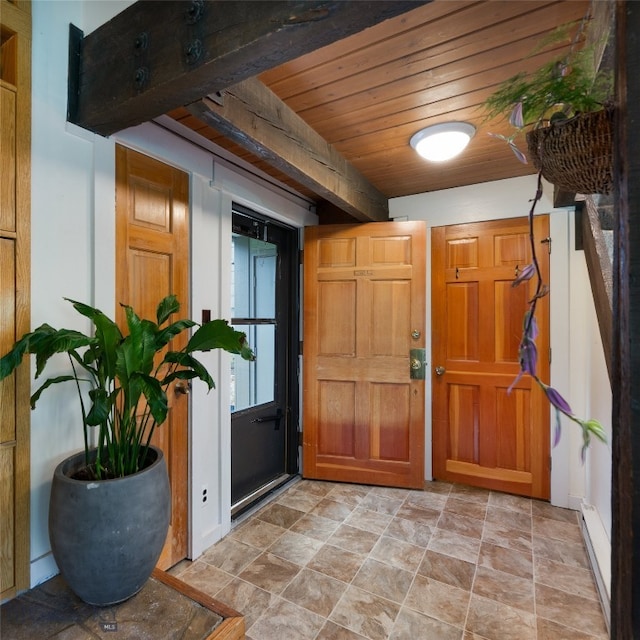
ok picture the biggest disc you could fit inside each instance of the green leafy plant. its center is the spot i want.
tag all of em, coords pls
(127, 375)
(558, 90)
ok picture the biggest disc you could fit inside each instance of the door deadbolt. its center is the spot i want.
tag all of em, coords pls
(440, 371)
(417, 364)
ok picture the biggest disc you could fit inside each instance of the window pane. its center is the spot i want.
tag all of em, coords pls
(253, 383)
(253, 278)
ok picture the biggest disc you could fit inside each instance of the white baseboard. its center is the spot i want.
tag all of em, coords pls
(42, 569)
(599, 549)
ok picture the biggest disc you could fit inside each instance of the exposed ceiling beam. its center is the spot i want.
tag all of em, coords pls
(158, 55)
(255, 118)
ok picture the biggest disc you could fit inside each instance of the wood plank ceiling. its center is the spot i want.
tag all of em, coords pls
(367, 94)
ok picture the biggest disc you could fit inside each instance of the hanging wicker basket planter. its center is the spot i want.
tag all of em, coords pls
(576, 154)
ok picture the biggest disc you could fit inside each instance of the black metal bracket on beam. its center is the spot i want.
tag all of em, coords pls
(579, 242)
(75, 63)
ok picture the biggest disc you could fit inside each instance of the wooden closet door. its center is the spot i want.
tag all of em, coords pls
(152, 261)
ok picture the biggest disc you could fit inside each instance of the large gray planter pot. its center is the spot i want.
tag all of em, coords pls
(107, 535)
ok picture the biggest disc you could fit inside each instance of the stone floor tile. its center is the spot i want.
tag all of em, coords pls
(349, 494)
(205, 578)
(332, 509)
(473, 494)
(465, 508)
(506, 536)
(270, 573)
(411, 625)
(427, 500)
(504, 588)
(384, 580)
(496, 621)
(518, 563)
(437, 486)
(464, 525)
(558, 529)
(438, 600)
(454, 544)
(558, 575)
(409, 531)
(365, 613)
(299, 500)
(314, 591)
(382, 504)
(398, 553)
(368, 520)
(508, 501)
(337, 563)
(295, 547)
(230, 555)
(560, 551)
(353, 539)
(315, 527)
(257, 533)
(246, 598)
(509, 518)
(548, 630)
(423, 515)
(333, 631)
(286, 620)
(447, 569)
(280, 515)
(575, 612)
(545, 510)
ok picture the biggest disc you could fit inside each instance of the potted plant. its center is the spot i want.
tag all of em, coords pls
(564, 108)
(110, 504)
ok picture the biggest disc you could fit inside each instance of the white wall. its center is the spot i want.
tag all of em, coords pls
(577, 369)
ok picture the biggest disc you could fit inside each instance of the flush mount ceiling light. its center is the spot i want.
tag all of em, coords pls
(442, 141)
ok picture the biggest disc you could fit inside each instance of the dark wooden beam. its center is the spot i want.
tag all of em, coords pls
(625, 512)
(254, 117)
(599, 268)
(159, 55)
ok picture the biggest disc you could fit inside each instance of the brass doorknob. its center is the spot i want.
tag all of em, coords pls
(183, 388)
(440, 371)
(416, 364)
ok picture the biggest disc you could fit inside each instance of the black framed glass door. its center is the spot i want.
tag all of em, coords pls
(264, 411)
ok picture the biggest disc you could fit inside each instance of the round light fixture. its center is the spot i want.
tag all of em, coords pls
(442, 141)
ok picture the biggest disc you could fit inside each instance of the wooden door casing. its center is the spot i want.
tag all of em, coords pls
(152, 260)
(364, 295)
(482, 434)
(15, 286)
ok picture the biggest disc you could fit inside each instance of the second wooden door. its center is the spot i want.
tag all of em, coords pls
(482, 434)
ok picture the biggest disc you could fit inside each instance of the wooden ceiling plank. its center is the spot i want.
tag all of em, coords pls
(158, 55)
(422, 73)
(440, 37)
(255, 118)
(355, 47)
(431, 65)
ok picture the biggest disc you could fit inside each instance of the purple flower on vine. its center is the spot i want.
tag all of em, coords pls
(560, 405)
(524, 274)
(516, 119)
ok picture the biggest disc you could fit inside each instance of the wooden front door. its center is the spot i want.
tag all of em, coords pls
(482, 434)
(152, 258)
(364, 310)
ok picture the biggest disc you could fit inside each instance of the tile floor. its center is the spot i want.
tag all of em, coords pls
(347, 562)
